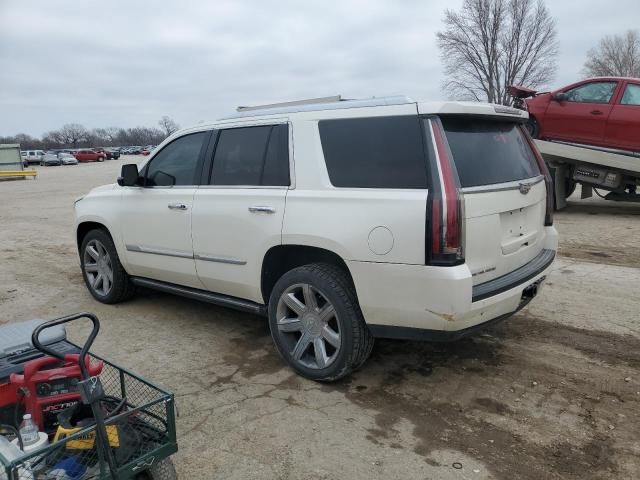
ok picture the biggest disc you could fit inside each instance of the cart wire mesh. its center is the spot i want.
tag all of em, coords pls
(140, 426)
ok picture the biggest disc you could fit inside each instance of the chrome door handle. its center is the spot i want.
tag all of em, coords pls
(177, 206)
(262, 209)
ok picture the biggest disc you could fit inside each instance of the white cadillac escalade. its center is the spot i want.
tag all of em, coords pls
(339, 220)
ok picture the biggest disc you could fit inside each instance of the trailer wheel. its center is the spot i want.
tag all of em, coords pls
(569, 187)
(163, 470)
(533, 127)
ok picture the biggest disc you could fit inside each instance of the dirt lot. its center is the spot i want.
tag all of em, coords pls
(552, 393)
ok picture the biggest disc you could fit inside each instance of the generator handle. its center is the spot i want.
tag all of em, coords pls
(85, 348)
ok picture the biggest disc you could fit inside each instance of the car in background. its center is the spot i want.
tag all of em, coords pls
(90, 156)
(110, 154)
(50, 159)
(67, 159)
(114, 152)
(602, 112)
(32, 156)
(145, 151)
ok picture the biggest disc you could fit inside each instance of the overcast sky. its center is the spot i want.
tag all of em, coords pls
(127, 63)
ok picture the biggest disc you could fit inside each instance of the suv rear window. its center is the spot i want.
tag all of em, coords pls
(487, 152)
(377, 152)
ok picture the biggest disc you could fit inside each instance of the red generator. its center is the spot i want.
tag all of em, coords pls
(34, 382)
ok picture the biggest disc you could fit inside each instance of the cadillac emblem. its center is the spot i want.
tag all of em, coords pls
(524, 188)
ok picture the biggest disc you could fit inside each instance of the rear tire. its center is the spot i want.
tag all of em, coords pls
(104, 275)
(316, 322)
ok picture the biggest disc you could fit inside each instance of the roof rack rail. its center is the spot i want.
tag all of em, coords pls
(325, 103)
(308, 101)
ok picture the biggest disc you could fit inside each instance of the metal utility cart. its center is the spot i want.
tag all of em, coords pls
(128, 431)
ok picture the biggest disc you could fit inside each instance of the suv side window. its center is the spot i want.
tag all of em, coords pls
(176, 163)
(377, 152)
(594, 92)
(253, 156)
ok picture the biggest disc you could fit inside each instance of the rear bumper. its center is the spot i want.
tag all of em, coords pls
(409, 333)
(515, 278)
(441, 303)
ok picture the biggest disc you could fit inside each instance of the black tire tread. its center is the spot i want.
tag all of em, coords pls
(163, 470)
(121, 290)
(342, 285)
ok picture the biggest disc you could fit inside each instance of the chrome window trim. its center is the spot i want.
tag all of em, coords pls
(499, 187)
(253, 187)
(165, 187)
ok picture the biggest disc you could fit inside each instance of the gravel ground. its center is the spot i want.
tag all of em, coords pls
(552, 393)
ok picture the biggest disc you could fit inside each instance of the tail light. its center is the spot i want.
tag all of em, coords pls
(445, 245)
(542, 165)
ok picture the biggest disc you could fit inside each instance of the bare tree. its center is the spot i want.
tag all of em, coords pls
(111, 133)
(167, 125)
(615, 56)
(69, 135)
(491, 44)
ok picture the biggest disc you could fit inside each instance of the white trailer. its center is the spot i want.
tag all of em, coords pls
(615, 171)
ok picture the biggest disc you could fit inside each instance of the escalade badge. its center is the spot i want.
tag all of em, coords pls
(524, 188)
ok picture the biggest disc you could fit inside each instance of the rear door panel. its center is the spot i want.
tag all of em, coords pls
(233, 228)
(623, 126)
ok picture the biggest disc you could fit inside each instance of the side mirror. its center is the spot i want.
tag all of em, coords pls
(129, 175)
(560, 97)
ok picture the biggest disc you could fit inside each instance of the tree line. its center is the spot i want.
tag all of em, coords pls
(74, 135)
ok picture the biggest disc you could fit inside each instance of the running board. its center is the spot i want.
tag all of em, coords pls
(202, 295)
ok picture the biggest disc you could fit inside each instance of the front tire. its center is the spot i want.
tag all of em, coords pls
(316, 322)
(104, 275)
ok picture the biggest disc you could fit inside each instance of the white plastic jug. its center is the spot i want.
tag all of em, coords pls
(10, 452)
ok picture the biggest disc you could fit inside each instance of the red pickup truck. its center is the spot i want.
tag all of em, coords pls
(602, 111)
(89, 156)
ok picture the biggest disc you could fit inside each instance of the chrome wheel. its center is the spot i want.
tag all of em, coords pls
(98, 267)
(308, 326)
